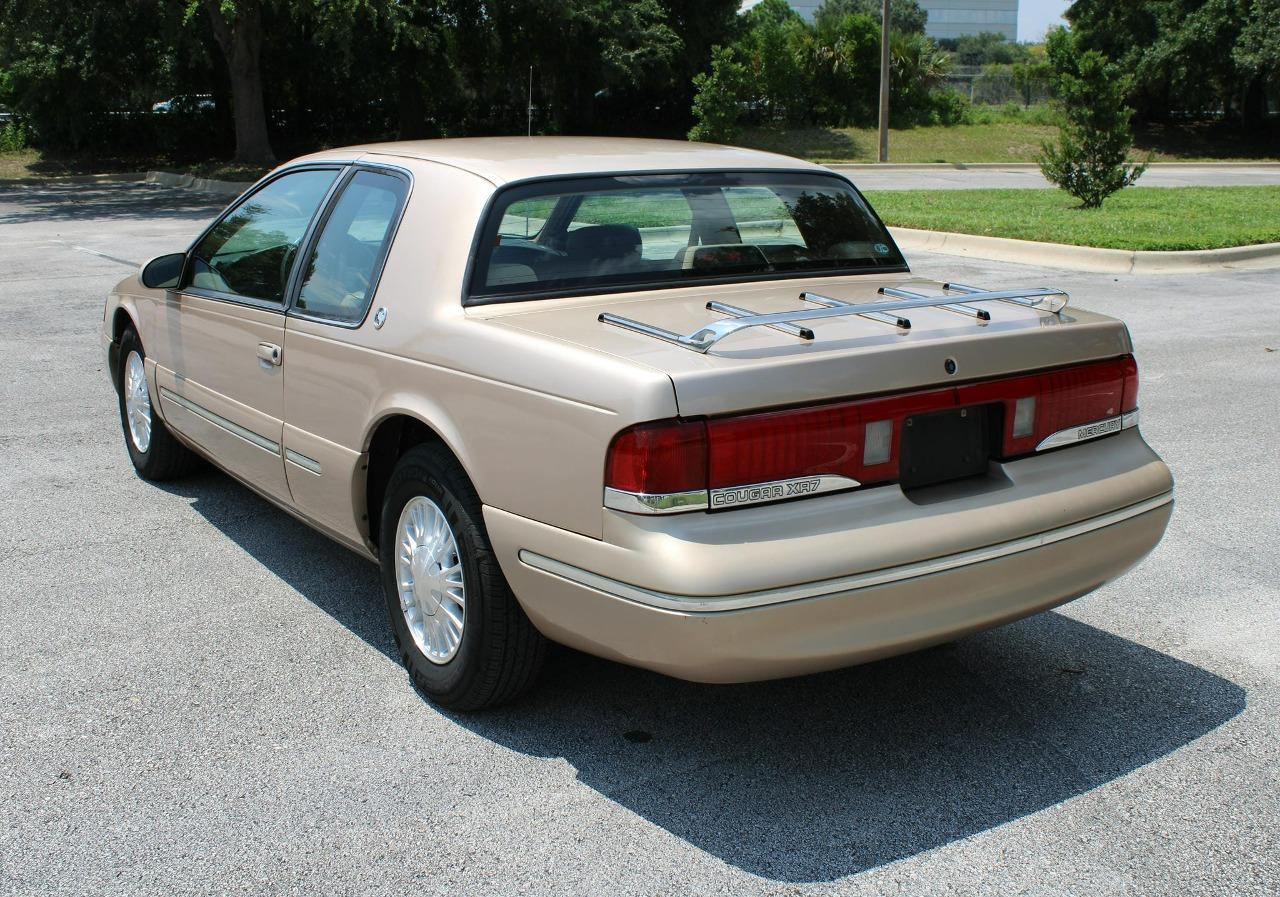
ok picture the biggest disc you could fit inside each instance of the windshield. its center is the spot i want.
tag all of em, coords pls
(586, 235)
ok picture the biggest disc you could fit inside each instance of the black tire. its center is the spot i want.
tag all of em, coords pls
(165, 458)
(500, 653)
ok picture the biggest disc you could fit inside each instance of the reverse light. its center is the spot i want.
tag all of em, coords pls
(879, 446)
(1024, 417)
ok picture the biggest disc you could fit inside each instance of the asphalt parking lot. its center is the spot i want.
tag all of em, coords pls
(198, 694)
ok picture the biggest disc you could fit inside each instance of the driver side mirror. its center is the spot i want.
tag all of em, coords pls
(163, 272)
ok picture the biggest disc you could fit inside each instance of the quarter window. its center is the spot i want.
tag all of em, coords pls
(250, 251)
(339, 278)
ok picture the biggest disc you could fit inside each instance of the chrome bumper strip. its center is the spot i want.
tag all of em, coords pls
(308, 464)
(1072, 435)
(655, 503)
(231, 427)
(778, 490)
(704, 604)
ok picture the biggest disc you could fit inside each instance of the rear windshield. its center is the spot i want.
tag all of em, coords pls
(589, 235)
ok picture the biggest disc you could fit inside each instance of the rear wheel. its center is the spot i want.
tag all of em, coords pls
(461, 634)
(155, 453)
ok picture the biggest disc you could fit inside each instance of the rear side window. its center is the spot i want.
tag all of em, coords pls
(249, 253)
(583, 235)
(342, 271)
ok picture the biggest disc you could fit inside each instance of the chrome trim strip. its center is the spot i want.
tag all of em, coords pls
(231, 427)
(655, 503)
(701, 604)
(310, 464)
(778, 490)
(1084, 432)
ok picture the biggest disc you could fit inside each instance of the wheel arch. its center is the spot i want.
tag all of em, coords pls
(122, 319)
(390, 436)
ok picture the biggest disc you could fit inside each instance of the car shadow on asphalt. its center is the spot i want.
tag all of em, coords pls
(819, 777)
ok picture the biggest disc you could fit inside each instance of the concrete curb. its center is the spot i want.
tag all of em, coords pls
(202, 185)
(1019, 166)
(1088, 258)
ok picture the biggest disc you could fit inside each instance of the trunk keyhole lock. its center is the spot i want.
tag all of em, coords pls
(949, 365)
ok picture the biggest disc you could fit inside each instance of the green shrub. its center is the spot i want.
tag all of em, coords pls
(721, 96)
(1088, 158)
(950, 107)
(14, 136)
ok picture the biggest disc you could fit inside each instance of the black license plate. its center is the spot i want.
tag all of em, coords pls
(944, 445)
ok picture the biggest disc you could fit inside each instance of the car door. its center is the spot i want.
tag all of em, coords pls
(221, 359)
(328, 372)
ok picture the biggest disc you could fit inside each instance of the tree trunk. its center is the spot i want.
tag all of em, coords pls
(412, 111)
(241, 43)
(1254, 108)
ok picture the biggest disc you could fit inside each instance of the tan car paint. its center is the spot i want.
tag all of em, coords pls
(528, 395)
(833, 630)
(849, 356)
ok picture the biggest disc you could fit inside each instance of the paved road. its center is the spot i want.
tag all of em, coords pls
(975, 178)
(198, 695)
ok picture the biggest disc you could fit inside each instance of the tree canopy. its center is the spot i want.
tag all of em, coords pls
(84, 74)
(1189, 57)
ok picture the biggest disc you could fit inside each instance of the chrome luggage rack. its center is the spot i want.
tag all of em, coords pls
(1041, 298)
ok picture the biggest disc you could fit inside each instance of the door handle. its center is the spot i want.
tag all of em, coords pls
(269, 352)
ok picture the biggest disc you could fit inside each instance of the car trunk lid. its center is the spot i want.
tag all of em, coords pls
(851, 355)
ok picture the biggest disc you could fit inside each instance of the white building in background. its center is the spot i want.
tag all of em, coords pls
(949, 18)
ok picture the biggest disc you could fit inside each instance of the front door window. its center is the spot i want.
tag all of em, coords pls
(249, 252)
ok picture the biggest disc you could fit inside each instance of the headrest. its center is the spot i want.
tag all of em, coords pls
(501, 275)
(603, 241)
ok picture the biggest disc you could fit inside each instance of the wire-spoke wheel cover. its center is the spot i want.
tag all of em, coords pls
(137, 402)
(429, 580)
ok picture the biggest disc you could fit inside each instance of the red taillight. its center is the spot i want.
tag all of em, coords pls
(659, 458)
(761, 448)
(858, 440)
(1130, 400)
(1079, 395)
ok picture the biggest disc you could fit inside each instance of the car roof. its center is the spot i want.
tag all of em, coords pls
(504, 159)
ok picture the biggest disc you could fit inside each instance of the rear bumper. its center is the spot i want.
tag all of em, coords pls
(843, 623)
(614, 597)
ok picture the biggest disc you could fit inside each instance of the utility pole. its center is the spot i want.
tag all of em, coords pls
(884, 83)
(529, 108)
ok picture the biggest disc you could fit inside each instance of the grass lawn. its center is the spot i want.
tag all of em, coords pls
(1134, 218)
(1002, 141)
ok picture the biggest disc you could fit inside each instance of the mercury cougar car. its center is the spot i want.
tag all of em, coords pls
(681, 406)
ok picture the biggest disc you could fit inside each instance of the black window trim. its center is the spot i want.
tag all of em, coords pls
(250, 301)
(293, 288)
(471, 299)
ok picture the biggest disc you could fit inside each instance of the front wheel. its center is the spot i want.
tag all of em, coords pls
(155, 453)
(461, 634)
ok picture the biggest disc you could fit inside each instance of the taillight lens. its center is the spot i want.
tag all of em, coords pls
(1130, 400)
(659, 458)
(853, 442)
(1039, 406)
(761, 448)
